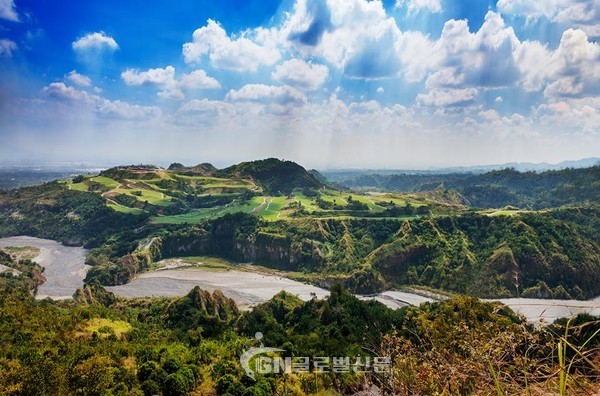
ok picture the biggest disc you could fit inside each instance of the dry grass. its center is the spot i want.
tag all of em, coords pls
(103, 328)
(489, 360)
(22, 252)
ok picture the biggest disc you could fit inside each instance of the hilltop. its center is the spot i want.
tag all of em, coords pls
(271, 189)
(275, 176)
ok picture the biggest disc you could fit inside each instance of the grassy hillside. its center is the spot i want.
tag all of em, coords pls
(270, 189)
(134, 216)
(54, 212)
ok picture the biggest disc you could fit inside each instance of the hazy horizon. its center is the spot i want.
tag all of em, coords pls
(106, 165)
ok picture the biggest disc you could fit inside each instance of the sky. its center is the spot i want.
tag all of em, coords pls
(327, 83)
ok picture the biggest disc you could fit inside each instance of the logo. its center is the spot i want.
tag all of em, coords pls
(316, 364)
(254, 352)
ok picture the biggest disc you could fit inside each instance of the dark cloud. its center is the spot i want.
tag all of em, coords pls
(375, 58)
(498, 68)
(321, 23)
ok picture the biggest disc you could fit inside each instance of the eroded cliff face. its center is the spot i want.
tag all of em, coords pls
(195, 243)
(267, 249)
(487, 256)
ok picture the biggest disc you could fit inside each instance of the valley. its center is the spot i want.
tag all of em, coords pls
(286, 218)
(247, 285)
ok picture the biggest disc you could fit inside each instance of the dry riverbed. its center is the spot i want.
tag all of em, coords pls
(246, 284)
(64, 266)
(247, 289)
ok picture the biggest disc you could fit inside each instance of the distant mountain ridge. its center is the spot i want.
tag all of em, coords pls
(531, 166)
(336, 174)
(204, 169)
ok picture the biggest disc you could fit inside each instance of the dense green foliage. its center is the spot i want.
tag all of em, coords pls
(193, 344)
(200, 311)
(24, 277)
(496, 256)
(497, 189)
(99, 344)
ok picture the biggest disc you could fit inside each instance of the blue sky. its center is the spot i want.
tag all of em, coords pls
(328, 83)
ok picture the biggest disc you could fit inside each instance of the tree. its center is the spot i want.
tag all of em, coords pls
(93, 376)
(176, 385)
(229, 385)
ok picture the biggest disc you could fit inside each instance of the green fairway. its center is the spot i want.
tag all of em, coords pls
(397, 199)
(272, 211)
(78, 186)
(198, 215)
(125, 209)
(510, 212)
(368, 201)
(153, 197)
(227, 194)
(105, 181)
(308, 203)
(209, 181)
(333, 197)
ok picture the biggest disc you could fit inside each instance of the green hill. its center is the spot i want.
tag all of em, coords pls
(204, 169)
(275, 176)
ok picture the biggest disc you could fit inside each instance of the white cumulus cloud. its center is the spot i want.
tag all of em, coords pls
(230, 53)
(198, 79)
(581, 14)
(79, 79)
(301, 74)
(61, 91)
(95, 41)
(283, 95)
(447, 97)
(164, 79)
(159, 76)
(8, 11)
(123, 110)
(98, 105)
(7, 47)
(357, 37)
(480, 59)
(570, 70)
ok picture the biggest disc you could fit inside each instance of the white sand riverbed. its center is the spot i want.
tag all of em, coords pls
(245, 288)
(65, 271)
(536, 310)
(64, 266)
